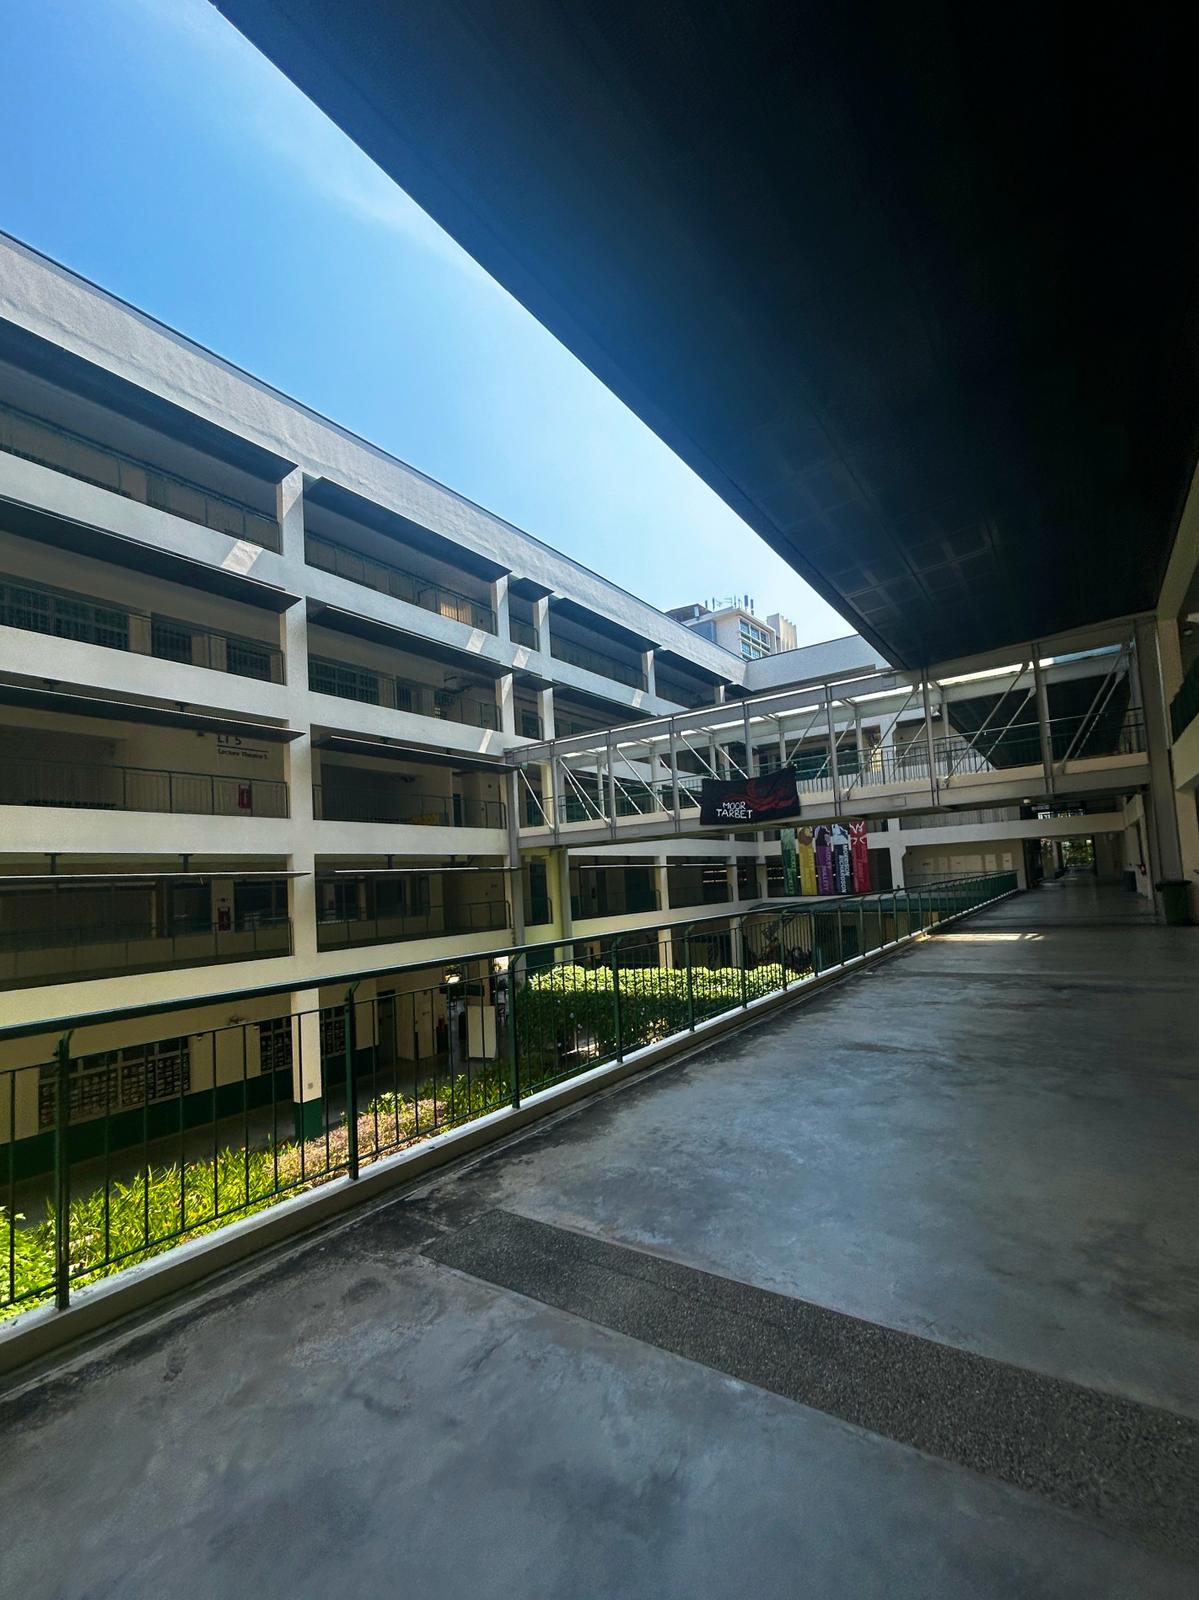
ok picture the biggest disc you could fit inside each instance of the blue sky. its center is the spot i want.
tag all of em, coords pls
(151, 148)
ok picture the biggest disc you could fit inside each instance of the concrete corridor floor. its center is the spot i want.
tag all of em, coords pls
(892, 1295)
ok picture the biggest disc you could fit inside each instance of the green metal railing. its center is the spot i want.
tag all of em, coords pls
(22, 434)
(1184, 707)
(112, 1157)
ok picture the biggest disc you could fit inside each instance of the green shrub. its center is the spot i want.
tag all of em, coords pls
(133, 1221)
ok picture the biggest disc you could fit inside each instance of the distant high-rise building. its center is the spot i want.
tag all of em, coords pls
(734, 625)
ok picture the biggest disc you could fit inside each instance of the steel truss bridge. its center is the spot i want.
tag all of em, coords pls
(1050, 720)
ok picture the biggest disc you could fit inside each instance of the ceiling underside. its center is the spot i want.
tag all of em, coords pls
(914, 289)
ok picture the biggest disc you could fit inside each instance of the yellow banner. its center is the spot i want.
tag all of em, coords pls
(807, 862)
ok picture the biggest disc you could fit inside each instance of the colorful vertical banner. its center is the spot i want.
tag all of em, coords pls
(823, 846)
(807, 862)
(787, 845)
(840, 851)
(859, 852)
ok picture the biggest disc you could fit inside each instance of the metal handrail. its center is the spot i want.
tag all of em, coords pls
(112, 626)
(19, 437)
(398, 583)
(331, 1103)
(593, 661)
(50, 782)
(427, 810)
(22, 1030)
(476, 916)
(133, 947)
(338, 678)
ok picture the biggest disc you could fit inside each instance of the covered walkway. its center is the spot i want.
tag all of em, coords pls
(893, 1295)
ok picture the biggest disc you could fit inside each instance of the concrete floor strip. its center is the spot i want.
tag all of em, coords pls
(1132, 1467)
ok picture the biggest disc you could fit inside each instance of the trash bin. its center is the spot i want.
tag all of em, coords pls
(1175, 893)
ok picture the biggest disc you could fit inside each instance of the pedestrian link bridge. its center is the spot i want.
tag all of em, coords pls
(1052, 721)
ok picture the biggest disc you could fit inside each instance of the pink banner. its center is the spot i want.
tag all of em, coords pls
(859, 852)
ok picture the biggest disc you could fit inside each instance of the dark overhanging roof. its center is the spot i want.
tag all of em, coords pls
(596, 622)
(528, 589)
(339, 620)
(55, 365)
(682, 666)
(352, 745)
(357, 508)
(86, 703)
(915, 292)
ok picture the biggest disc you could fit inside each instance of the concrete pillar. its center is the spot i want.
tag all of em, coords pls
(736, 939)
(505, 704)
(300, 762)
(665, 937)
(514, 880)
(1161, 810)
(1042, 698)
(499, 604)
(1169, 649)
(662, 884)
(545, 710)
(141, 634)
(647, 668)
(541, 622)
(306, 1062)
(761, 873)
(559, 878)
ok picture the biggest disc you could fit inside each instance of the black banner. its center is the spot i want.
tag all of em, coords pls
(741, 802)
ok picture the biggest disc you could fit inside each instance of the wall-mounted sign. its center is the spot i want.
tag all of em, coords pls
(231, 746)
(742, 802)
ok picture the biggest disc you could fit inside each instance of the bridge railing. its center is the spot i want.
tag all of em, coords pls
(110, 1156)
(997, 750)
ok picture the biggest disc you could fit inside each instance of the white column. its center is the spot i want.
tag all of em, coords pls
(515, 877)
(505, 704)
(1169, 650)
(647, 667)
(306, 1062)
(561, 878)
(545, 710)
(541, 622)
(1161, 812)
(499, 604)
(301, 765)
